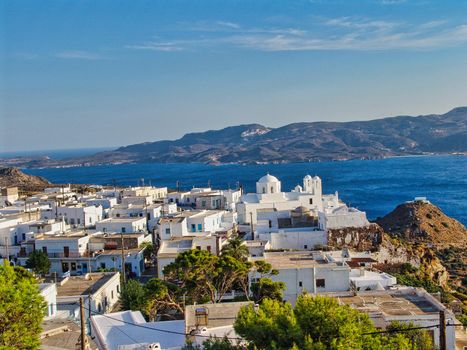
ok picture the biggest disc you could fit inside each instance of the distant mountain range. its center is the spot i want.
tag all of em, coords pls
(297, 142)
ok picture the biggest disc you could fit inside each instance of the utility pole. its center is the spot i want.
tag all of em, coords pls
(442, 330)
(83, 339)
(123, 260)
(7, 250)
(251, 223)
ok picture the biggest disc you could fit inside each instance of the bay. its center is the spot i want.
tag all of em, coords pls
(375, 186)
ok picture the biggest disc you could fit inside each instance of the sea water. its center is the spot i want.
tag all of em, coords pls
(375, 186)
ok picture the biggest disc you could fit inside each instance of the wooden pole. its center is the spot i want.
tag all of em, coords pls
(83, 326)
(123, 260)
(442, 330)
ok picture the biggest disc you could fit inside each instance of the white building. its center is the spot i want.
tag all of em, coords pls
(170, 249)
(342, 216)
(306, 271)
(269, 195)
(118, 333)
(154, 193)
(77, 215)
(295, 229)
(8, 195)
(49, 293)
(124, 225)
(196, 223)
(405, 304)
(103, 289)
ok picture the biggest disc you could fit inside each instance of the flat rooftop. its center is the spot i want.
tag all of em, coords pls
(218, 315)
(66, 235)
(175, 246)
(120, 220)
(79, 285)
(390, 304)
(293, 260)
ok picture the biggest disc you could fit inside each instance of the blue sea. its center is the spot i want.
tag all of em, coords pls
(375, 186)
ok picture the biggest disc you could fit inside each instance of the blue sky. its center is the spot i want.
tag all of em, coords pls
(83, 73)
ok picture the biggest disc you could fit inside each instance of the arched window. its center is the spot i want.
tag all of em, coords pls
(264, 189)
(272, 189)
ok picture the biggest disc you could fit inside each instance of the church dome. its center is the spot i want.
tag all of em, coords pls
(268, 178)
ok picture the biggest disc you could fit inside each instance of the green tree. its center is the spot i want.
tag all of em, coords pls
(265, 269)
(202, 275)
(161, 298)
(236, 248)
(39, 262)
(194, 272)
(148, 252)
(316, 323)
(420, 340)
(133, 296)
(267, 288)
(22, 309)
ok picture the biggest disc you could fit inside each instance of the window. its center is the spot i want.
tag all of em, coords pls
(66, 251)
(103, 265)
(300, 284)
(264, 190)
(270, 223)
(44, 249)
(78, 221)
(200, 227)
(320, 283)
(193, 228)
(198, 247)
(72, 221)
(112, 294)
(203, 204)
(272, 189)
(209, 248)
(118, 215)
(118, 289)
(305, 246)
(311, 200)
(123, 229)
(73, 266)
(167, 231)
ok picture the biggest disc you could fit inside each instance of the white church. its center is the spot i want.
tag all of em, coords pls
(298, 219)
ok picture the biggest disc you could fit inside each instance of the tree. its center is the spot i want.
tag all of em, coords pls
(39, 262)
(214, 344)
(421, 340)
(133, 296)
(22, 309)
(202, 275)
(267, 288)
(194, 271)
(265, 269)
(148, 252)
(316, 323)
(236, 248)
(161, 298)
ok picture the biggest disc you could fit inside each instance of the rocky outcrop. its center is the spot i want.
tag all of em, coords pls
(13, 177)
(393, 252)
(359, 238)
(423, 222)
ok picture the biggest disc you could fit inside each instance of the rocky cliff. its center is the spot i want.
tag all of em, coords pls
(13, 177)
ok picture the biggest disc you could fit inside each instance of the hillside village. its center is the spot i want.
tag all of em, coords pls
(99, 239)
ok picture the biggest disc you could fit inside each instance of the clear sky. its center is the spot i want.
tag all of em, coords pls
(85, 73)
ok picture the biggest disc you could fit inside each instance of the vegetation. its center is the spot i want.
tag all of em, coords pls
(133, 296)
(39, 262)
(149, 251)
(316, 323)
(202, 276)
(22, 309)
